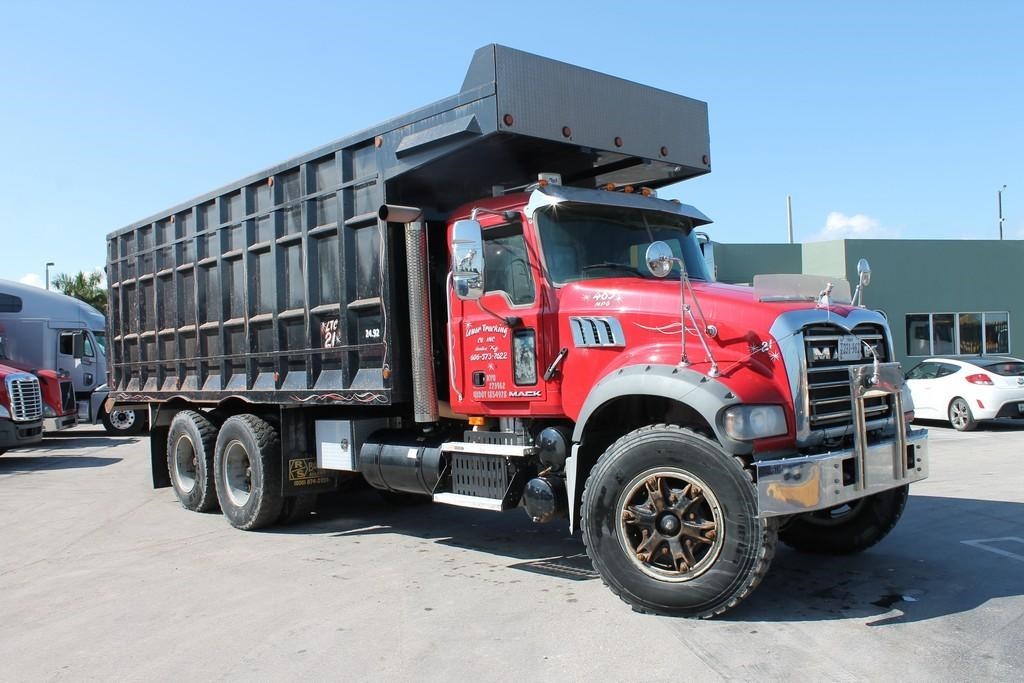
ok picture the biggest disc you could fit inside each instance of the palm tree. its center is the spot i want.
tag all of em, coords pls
(84, 286)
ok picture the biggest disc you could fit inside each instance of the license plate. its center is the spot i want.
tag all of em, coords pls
(850, 348)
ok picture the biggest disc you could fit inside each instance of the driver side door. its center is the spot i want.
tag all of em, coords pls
(500, 350)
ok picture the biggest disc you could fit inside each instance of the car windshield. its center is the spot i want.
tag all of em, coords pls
(1007, 368)
(586, 241)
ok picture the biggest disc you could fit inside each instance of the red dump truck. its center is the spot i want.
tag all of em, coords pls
(483, 303)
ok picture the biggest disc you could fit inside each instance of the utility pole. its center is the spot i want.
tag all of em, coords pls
(789, 214)
(999, 198)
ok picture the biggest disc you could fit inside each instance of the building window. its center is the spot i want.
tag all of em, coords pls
(957, 334)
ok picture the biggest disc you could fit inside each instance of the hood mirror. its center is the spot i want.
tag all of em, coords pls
(864, 272)
(659, 259)
(863, 280)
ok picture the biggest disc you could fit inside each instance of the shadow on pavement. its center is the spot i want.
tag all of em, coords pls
(924, 569)
(50, 443)
(15, 464)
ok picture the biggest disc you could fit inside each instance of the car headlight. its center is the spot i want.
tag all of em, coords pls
(745, 423)
(48, 411)
(4, 413)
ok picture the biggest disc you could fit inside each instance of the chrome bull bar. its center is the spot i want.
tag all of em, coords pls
(815, 482)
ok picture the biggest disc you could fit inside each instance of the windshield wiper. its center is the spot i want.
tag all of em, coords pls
(611, 265)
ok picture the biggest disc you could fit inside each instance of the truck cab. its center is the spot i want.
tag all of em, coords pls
(49, 332)
(60, 410)
(21, 407)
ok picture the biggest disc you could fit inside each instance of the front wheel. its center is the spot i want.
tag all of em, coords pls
(960, 415)
(670, 522)
(848, 528)
(121, 422)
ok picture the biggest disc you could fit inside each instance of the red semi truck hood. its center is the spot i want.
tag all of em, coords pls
(648, 312)
(49, 384)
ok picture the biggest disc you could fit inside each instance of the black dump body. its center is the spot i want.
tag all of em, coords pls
(285, 287)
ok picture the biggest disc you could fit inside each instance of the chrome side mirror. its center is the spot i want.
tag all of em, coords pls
(468, 260)
(863, 280)
(659, 259)
(864, 272)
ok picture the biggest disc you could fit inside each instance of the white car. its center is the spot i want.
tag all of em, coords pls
(967, 391)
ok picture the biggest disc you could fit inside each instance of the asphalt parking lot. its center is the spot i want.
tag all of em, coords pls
(103, 577)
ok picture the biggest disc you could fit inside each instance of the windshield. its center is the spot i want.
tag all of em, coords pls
(586, 241)
(101, 341)
(3, 346)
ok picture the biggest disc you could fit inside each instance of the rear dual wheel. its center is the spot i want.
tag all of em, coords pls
(237, 467)
(247, 462)
(190, 446)
(670, 522)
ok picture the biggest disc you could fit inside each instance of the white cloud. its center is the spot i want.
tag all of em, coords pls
(31, 279)
(839, 226)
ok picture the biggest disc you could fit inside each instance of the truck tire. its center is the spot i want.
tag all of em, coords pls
(670, 523)
(247, 462)
(191, 439)
(121, 422)
(297, 508)
(846, 529)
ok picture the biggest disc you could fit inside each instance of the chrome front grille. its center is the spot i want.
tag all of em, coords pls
(829, 403)
(26, 399)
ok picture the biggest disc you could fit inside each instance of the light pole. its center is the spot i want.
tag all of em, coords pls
(999, 198)
(48, 264)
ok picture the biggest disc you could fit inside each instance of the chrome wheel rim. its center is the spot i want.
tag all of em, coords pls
(237, 473)
(186, 463)
(958, 413)
(670, 524)
(122, 419)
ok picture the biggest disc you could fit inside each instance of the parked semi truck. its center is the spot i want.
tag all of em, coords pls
(61, 338)
(21, 406)
(59, 409)
(483, 303)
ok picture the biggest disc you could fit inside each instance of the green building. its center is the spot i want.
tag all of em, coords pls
(942, 297)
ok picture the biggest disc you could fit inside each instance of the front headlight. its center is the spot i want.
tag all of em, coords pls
(48, 411)
(746, 423)
(4, 413)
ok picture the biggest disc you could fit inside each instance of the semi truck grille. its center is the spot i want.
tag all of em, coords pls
(26, 400)
(828, 349)
(67, 397)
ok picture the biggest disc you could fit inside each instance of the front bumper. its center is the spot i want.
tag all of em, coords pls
(20, 434)
(792, 486)
(55, 424)
(817, 482)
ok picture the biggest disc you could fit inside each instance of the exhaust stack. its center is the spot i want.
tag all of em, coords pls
(424, 391)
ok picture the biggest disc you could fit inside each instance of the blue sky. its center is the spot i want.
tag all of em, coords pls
(879, 118)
